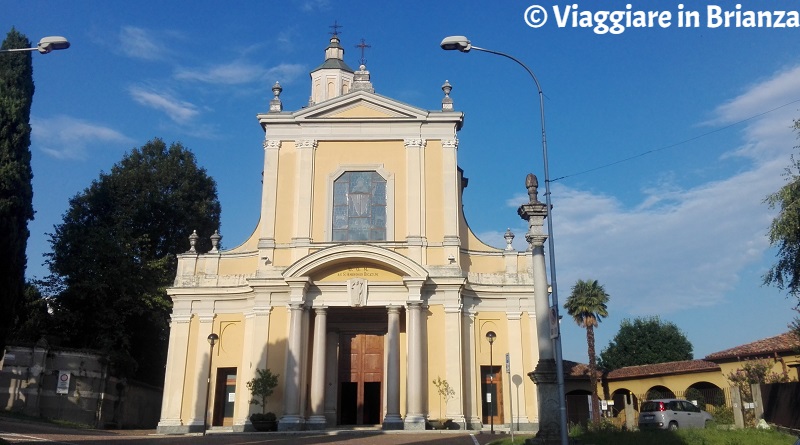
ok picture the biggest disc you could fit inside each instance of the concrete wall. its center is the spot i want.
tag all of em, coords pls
(28, 384)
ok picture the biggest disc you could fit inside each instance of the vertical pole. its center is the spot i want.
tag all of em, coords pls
(491, 383)
(208, 388)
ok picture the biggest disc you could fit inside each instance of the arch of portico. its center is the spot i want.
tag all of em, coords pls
(353, 293)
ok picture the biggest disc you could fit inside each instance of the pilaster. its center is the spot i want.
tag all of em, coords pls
(415, 195)
(173, 398)
(306, 150)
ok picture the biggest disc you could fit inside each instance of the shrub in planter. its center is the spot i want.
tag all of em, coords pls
(261, 387)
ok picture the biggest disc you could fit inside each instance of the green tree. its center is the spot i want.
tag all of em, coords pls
(16, 191)
(784, 232)
(32, 317)
(114, 254)
(261, 387)
(587, 306)
(645, 341)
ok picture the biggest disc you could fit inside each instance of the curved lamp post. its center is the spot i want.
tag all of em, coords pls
(212, 340)
(490, 336)
(463, 44)
(47, 44)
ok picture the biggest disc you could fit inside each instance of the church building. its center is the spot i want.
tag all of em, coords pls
(362, 283)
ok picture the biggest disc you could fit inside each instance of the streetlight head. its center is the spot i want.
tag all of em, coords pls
(490, 336)
(212, 339)
(52, 43)
(460, 43)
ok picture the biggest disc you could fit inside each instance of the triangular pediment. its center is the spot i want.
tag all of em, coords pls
(361, 106)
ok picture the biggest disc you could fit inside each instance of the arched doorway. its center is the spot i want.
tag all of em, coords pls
(705, 395)
(659, 392)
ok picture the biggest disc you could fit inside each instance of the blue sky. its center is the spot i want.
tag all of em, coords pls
(678, 232)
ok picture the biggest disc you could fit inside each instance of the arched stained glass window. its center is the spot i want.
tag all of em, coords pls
(359, 207)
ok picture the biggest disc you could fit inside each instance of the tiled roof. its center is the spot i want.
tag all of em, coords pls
(787, 342)
(681, 367)
(575, 369)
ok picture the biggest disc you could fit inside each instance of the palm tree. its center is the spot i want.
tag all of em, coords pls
(587, 306)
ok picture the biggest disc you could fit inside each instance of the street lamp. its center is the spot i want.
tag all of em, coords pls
(212, 340)
(47, 44)
(463, 44)
(490, 336)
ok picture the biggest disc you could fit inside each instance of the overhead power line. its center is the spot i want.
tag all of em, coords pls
(685, 141)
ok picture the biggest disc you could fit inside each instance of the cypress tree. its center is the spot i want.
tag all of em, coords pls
(16, 190)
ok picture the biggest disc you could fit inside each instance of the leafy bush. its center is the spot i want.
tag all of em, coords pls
(261, 387)
(723, 415)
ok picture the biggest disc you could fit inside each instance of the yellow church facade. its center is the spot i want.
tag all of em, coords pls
(361, 283)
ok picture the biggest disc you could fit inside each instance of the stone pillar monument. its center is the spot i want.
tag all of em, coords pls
(545, 373)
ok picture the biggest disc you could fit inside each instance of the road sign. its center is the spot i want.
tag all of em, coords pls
(553, 323)
(62, 387)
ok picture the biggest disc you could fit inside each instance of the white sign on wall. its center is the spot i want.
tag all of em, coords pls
(62, 387)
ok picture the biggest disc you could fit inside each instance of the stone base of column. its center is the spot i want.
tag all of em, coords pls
(474, 423)
(172, 426)
(316, 423)
(549, 407)
(291, 423)
(414, 422)
(525, 425)
(392, 422)
(243, 426)
(457, 423)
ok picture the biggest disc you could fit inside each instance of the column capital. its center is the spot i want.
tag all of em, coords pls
(450, 143)
(320, 310)
(414, 286)
(272, 144)
(180, 318)
(305, 143)
(393, 309)
(513, 315)
(206, 318)
(414, 142)
(452, 308)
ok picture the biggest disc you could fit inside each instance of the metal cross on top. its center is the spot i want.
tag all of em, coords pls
(335, 27)
(363, 46)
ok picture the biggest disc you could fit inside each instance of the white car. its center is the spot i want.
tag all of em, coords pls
(672, 414)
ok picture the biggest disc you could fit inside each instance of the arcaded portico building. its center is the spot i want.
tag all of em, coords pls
(361, 283)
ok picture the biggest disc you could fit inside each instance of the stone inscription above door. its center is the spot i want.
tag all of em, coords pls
(346, 272)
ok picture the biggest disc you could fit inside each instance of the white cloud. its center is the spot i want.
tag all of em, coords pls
(64, 137)
(314, 5)
(240, 72)
(177, 110)
(783, 87)
(141, 43)
(679, 249)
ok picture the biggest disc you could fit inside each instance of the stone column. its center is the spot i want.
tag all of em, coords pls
(317, 419)
(202, 358)
(544, 375)
(175, 375)
(291, 420)
(393, 421)
(415, 418)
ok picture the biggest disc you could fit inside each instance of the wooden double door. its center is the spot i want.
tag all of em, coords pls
(360, 378)
(492, 395)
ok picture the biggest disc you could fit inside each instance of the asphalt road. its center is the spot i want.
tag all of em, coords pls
(23, 432)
